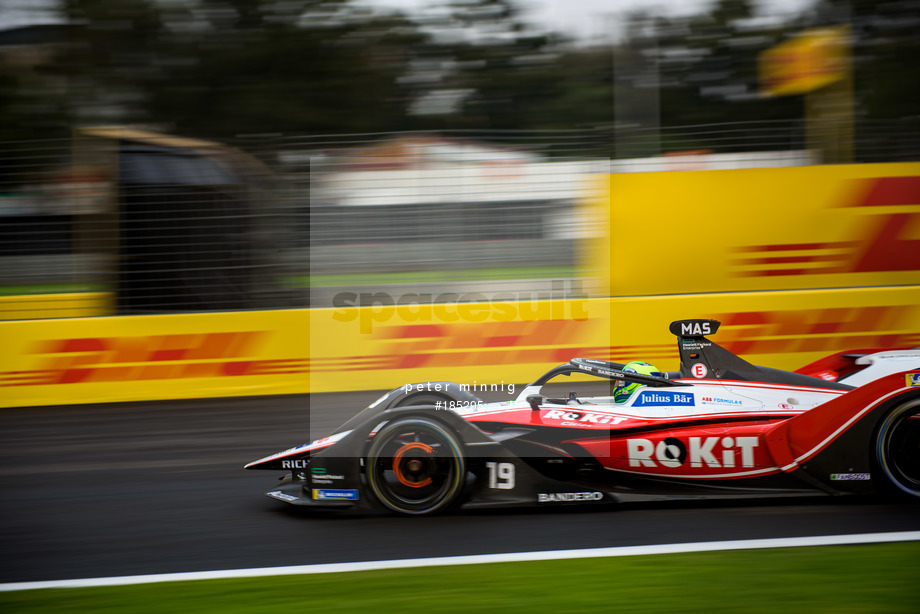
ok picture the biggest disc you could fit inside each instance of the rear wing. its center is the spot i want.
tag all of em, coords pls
(701, 358)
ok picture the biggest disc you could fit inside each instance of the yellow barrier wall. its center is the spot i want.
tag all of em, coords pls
(325, 350)
(797, 263)
(71, 305)
(88, 360)
(764, 229)
(780, 329)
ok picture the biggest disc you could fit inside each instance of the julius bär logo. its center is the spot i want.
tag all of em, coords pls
(156, 357)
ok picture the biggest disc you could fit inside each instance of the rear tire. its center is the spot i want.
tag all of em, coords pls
(415, 466)
(898, 448)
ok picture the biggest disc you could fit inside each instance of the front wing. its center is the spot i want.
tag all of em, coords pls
(496, 477)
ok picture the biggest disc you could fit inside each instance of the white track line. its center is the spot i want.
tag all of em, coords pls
(511, 557)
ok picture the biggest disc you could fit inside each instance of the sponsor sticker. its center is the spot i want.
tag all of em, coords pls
(325, 478)
(719, 401)
(580, 417)
(659, 399)
(277, 494)
(561, 497)
(297, 463)
(850, 477)
(695, 345)
(337, 494)
(695, 329)
(912, 379)
(713, 452)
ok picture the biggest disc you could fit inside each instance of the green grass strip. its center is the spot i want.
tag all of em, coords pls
(404, 277)
(871, 579)
(346, 279)
(27, 290)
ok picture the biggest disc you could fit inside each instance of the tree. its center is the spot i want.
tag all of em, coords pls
(226, 67)
(219, 68)
(885, 46)
(286, 77)
(706, 70)
(34, 101)
(509, 75)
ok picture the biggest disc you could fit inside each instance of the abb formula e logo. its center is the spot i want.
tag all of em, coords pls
(712, 452)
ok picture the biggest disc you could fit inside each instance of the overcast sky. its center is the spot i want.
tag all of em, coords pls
(592, 17)
(582, 17)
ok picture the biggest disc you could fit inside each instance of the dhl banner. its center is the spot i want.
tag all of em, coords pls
(841, 226)
(70, 305)
(806, 62)
(377, 348)
(796, 262)
(90, 360)
(380, 347)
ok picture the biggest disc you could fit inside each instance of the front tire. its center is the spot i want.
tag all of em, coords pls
(898, 448)
(415, 466)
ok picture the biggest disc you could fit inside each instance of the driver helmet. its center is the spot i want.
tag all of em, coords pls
(636, 366)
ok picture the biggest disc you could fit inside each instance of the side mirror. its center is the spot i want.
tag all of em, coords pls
(535, 400)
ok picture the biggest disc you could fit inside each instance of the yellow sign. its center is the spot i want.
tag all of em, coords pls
(385, 346)
(787, 329)
(765, 229)
(69, 305)
(796, 262)
(93, 360)
(809, 61)
(99, 360)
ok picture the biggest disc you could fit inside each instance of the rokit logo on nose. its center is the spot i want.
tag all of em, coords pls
(714, 452)
(584, 417)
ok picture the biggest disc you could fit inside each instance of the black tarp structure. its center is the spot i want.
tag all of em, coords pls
(183, 217)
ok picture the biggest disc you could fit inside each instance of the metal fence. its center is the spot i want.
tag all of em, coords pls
(127, 222)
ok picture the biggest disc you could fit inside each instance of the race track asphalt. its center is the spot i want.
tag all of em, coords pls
(158, 487)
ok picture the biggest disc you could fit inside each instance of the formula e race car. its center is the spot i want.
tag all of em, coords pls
(720, 427)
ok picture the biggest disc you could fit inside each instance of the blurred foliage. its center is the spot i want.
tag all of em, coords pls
(226, 67)
(886, 44)
(222, 68)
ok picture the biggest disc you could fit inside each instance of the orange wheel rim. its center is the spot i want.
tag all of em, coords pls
(397, 462)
